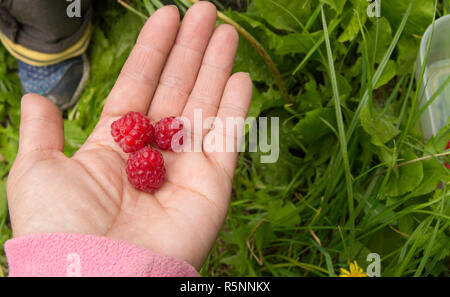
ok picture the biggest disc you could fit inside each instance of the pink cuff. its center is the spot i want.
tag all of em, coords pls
(61, 254)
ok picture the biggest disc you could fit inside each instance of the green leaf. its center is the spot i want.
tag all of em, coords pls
(408, 178)
(384, 38)
(385, 154)
(378, 73)
(311, 98)
(388, 74)
(356, 251)
(248, 60)
(284, 14)
(380, 128)
(283, 215)
(257, 28)
(256, 104)
(74, 137)
(408, 49)
(264, 100)
(280, 173)
(433, 172)
(312, 127)
(421, 14)
(358, 19)
(264, 235)
(297, 43)
(3, 202)
(344, 86)
(337, 5)
(438, 142)
(385, 241)
(238, 261)
(355, 69)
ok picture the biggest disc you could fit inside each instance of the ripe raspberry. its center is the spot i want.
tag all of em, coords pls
(165, 130)
(145, 169)
(133, 131)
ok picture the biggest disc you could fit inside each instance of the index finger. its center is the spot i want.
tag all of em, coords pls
(140, 74)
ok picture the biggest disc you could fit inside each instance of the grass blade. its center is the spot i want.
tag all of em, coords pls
(379, 71)
(340, 120)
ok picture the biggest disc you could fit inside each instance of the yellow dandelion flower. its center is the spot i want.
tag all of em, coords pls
(355, 271)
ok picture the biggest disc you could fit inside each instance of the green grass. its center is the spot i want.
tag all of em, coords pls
(355, 175)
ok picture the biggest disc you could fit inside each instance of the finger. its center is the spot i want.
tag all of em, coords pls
(140, 74)
(41, 125)
(183, 64)
(234, 106)
(214, 74)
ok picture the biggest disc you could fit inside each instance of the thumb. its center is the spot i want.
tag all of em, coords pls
(41, 125)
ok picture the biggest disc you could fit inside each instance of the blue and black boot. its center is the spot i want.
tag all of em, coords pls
(62, 83)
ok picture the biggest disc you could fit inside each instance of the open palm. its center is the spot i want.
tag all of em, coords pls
(171, 72)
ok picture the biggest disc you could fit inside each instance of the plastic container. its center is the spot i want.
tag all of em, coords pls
(437, 70)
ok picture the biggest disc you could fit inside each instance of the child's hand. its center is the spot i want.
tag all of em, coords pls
(170, 72)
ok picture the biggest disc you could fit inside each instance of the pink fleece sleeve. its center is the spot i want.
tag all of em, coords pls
(60, 254)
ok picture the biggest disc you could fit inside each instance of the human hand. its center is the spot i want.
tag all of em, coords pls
(170, 72)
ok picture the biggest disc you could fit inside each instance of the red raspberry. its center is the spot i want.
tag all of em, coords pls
(133, 131)
(165, 130)
(145, 169)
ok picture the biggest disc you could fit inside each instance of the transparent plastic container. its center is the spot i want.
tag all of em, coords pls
(437, 71)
